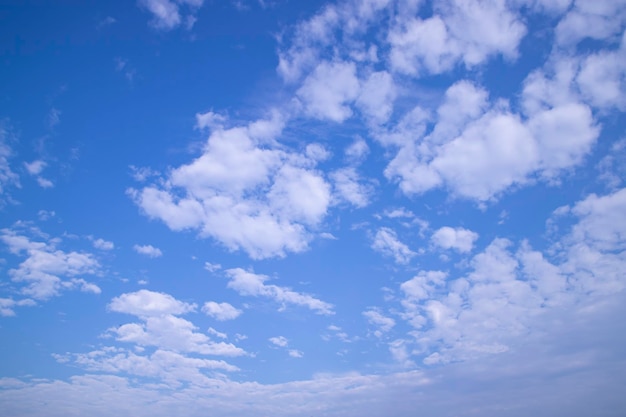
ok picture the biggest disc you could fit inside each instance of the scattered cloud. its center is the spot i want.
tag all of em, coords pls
(47, 270)
(386, 242)
(103, 244)
(220, 311)
(251, 284)
(148, 250)
(459, 239)
(279, 341)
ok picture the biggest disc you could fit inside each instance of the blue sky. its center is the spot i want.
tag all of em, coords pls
(281, 208)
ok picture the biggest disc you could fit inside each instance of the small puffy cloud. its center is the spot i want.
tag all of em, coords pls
(458, 238)
(295, 353)
(210, 120)
(103, 244)
(145, 303)
(212, 267)
(279, 341)
(148, 250)
(220, 311)
(166, 14)
(35, 167)
(215, 333)
(7, 305)
(376, 97)
(357, 151)
(330, 89)
(386, 242)
(382, 323)
(251, 284)
(349, 187)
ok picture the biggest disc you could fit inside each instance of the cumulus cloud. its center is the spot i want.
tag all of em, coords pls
(386, 242)
(466, 31)
(161, 327)
(148, 250)
(279, 341)
(220, 311)
(329, 90)
(382, 323)
(459, 238)
(166, 14)
(145, 303)
(467, 153)
(103, 244)
(47, 270)
(251, 284)
(245, 192)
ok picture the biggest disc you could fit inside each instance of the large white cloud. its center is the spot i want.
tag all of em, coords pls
(245, 191)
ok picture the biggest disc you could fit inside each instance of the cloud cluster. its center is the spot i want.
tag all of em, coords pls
(250, 284)
(244, 191)
(507, 292)
(47, 270)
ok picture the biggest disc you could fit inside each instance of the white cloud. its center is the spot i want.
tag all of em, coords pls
(145, 303)
(212, 267)
(244, 191)
(250, 284)
(220, 311)
(386, 242)
(467, 31)
(148, 250)
(382, 323)
(349, 187)
(7, 305)
(103, 244)
(166, 14)
(596, 19)
(215, 333)
(329, 90)
(377, 96)
(279, 341)
(161, 327)
(458, 238)
(602, 78)
(47, 271)
(357, 151)
(294, 353)
(466, 151)
(35, 167)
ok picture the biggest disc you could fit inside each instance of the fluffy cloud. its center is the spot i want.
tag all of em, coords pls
(479, 151)
(459, 239)
(467, 31)
(7, 305)
(596, 19)
(47, 270)
(148, 250)
(382, 323)
(103, 244)
(145, 303)
(244, 191)
(329, 90)
(220, 311)
(386, 242)
(507, 292)
(279, 341)
(251, 284)
(166, 14)
(161, 327)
